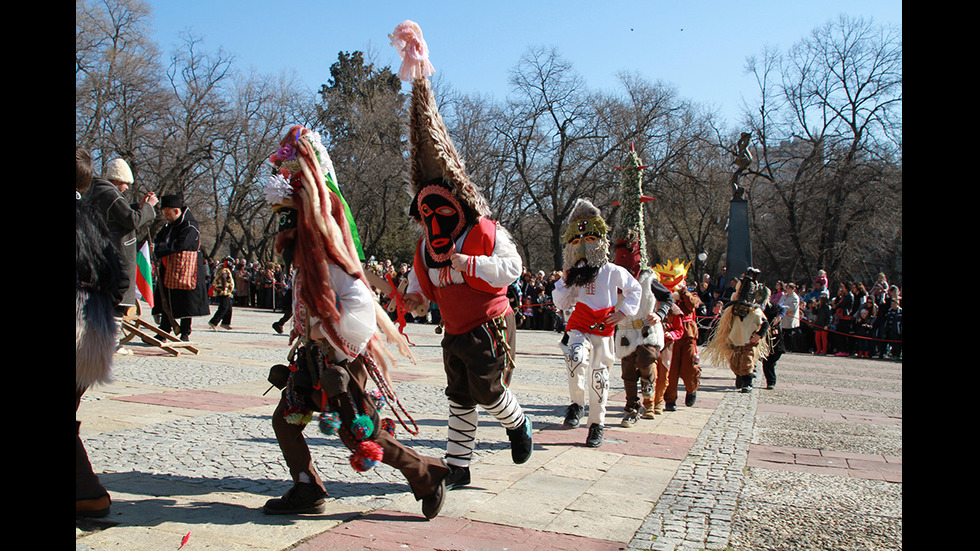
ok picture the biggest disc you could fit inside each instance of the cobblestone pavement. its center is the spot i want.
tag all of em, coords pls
(185, 446)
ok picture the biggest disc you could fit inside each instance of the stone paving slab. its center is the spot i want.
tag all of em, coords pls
(185, 446)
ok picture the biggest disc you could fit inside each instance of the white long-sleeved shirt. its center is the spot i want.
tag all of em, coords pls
(499, 269)
(357, 321)
(604, 292)
(791, 319)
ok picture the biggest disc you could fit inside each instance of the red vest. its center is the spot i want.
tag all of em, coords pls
(466, 306)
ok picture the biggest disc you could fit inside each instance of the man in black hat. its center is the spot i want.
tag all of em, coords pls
(181, 272)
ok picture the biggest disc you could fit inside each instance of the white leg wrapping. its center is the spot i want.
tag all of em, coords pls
(600, 360)
(507, 410)
(461, 436)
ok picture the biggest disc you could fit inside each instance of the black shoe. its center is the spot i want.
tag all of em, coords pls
(431, 505)
(457, 477)
(747, 383)
(278, 327)
(521, 443)
(93, 508)
(690, 399)
(594, 439)
(301, 498)
(573, 414)
(670, 406)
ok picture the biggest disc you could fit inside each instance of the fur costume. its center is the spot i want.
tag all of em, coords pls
(633, 331)
(630, 253)
(730, 341)
(464, 262)
(639, 342)
(100, 282)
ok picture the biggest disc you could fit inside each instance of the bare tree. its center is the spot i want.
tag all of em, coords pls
(829, 130)
(362, 112)
(560, 143)
(118, 92)
(262, 108)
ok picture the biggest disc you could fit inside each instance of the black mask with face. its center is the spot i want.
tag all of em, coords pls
(443, 218)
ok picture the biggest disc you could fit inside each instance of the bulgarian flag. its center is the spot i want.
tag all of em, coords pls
(144, 274)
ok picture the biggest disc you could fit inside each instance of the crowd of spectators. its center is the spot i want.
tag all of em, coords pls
(257, 284)
(851, 319)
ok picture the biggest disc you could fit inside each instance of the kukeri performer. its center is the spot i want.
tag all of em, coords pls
(464, 263)
(684, 360)
(640, 337)
(600, 295)
(336, 349)
(101, 282)
(740, 337)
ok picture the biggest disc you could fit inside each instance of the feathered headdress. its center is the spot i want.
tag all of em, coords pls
(434, 155)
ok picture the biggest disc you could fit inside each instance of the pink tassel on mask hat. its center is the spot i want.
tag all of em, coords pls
(407, 39)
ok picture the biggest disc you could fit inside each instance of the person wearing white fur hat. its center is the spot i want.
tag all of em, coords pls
(124, 218)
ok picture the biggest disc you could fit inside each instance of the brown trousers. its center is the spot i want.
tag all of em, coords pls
(663, 372)
(744, 359)
(478, 365)
(87, 485)
(422, 472)
(640, 366)
(684, 367)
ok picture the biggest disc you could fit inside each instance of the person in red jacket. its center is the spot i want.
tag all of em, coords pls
(673, 331)
(464, 263)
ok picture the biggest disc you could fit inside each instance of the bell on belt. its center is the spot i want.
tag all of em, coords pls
(598, 326)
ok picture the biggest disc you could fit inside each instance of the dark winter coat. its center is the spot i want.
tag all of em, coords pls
(124, 220)
(182, 235)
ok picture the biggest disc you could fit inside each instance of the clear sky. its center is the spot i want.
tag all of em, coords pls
(698, 47)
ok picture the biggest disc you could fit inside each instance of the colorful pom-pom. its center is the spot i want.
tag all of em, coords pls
(329, 423)
(367, 455)
(362, 427)
(388, 425)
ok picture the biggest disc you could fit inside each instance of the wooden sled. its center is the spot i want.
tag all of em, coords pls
(133, 326)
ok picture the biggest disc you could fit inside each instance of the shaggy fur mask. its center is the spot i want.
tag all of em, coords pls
(586, 244)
